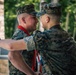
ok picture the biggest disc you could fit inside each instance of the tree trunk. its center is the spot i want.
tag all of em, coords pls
(40, 27)
(2, 19)
(74, 33)
(54, 1)
(67, 21)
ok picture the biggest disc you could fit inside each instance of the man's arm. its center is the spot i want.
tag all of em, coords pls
(16, 45)
(5, 43)
(22, 66)
(17, 61)
(13, 45)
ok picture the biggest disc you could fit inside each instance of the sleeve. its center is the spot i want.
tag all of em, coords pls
(40, 39)
(19, 34)
(30, 44)
(37, 41)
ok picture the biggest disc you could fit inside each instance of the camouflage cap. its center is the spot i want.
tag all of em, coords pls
(27, 9)
(51, 8)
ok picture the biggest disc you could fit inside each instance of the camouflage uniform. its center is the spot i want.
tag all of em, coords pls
(19, 34)
(55, 46)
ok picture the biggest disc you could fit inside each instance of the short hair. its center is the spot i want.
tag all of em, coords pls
(29, 9)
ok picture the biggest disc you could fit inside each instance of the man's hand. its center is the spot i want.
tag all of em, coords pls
(38, 73)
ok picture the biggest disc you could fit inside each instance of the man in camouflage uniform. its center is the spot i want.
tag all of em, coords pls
(55, 44)
(17, 58)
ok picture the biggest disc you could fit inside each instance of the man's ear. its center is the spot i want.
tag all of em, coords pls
(47, 19)
(23, 19)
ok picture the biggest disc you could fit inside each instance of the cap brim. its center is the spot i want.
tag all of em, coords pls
(40, 13)
(33, 13)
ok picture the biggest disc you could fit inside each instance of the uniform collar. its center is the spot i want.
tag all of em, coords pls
(23, 29)
(56, 26)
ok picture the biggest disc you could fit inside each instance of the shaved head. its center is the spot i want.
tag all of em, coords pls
(20, 16)
(55, 18)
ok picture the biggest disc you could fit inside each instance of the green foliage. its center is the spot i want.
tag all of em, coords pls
(69, 6)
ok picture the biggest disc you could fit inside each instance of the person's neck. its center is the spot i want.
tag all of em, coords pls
(24, 27)
(51, 25)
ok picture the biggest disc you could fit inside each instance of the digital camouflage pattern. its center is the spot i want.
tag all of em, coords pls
(29, 9)
(57, 49)
(27, 56)
(50, 9)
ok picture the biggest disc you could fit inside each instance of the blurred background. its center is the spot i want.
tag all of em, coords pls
(8, 22)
